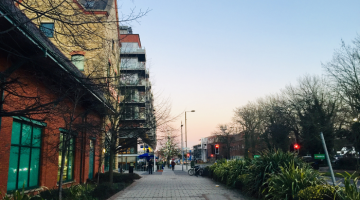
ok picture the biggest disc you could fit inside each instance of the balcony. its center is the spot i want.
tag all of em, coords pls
(134, 52)
(132, 66)
(135, 99)
(129, 82)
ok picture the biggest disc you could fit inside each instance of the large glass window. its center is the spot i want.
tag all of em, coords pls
(68, 173)
(47, 29)
(78, 61)
(24, 156)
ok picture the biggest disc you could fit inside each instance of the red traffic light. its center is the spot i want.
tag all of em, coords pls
(296, 146)
(188, 155)
(217, 146)
(212, 155)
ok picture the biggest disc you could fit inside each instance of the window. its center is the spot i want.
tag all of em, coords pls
(47, 29)
(69, 158)
(89, 4)
(24, 156)
(78, 61)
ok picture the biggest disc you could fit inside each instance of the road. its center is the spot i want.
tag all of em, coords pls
(177, 185)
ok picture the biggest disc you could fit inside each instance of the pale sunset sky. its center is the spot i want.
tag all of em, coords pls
(213, 56)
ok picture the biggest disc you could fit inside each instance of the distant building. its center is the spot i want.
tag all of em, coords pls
(197, 152)
(208, 148)
(237, 147)
(204, 151)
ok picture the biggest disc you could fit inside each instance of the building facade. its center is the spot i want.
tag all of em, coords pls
(34, 115)
(137, 103)
(236, 148)
(87, 33)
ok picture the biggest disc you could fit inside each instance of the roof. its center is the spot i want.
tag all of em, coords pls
(28, 29)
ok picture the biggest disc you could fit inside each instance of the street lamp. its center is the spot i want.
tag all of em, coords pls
(187, 158)
(182, 149)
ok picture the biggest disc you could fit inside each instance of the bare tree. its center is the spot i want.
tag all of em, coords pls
(248, 117)
(224, 135)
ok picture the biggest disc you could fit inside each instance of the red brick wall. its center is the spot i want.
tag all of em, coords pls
(50, 135)
(130, 38)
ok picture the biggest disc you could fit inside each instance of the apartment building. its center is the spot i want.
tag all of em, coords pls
(137, 100)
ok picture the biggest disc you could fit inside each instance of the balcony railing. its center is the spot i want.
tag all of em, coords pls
(132, 50)
(141, 82)
(132, 66)
(136, 99)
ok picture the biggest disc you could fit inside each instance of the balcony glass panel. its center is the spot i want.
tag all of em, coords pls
(131, 47)
(131, 64)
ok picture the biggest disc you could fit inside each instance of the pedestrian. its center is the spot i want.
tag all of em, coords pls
(131, 169)
(172, 164)
(150, 166)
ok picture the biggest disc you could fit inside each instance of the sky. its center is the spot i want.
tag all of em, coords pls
(214, 56)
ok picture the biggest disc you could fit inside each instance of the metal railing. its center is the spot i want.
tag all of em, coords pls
(132, 50)
(131, 66)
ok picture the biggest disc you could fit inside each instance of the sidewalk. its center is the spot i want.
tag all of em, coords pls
(177, 185)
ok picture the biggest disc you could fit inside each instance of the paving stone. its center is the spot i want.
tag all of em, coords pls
(176, 185)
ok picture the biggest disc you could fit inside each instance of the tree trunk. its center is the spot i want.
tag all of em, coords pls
(63, 152)
(111, 159)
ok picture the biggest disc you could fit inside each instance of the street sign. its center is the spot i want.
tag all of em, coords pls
(319, 156)
(256, 156)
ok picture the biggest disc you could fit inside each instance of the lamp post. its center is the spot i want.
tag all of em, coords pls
(182, 149)
(187, 159)
(356, 138)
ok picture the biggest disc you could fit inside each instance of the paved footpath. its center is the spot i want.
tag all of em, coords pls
(176, 185)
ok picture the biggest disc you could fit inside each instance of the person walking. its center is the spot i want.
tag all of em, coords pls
(172, 164)
(131, 168)
(150, 166)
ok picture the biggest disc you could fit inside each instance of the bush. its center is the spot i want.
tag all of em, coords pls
(290, 180)
(320, 192)
(229, 172)
(106, 190)
(20, 195)
(269, 163)
(350, 191)
(83, 192)
(119, 177)
(207, 171)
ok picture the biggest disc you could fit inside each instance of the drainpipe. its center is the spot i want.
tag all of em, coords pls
(2, 98)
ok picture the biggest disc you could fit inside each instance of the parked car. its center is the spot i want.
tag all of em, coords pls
(313, 162)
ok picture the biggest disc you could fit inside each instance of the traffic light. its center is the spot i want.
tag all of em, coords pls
(296, 146)
(212, 155)
(188, 155)
(216, 149)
